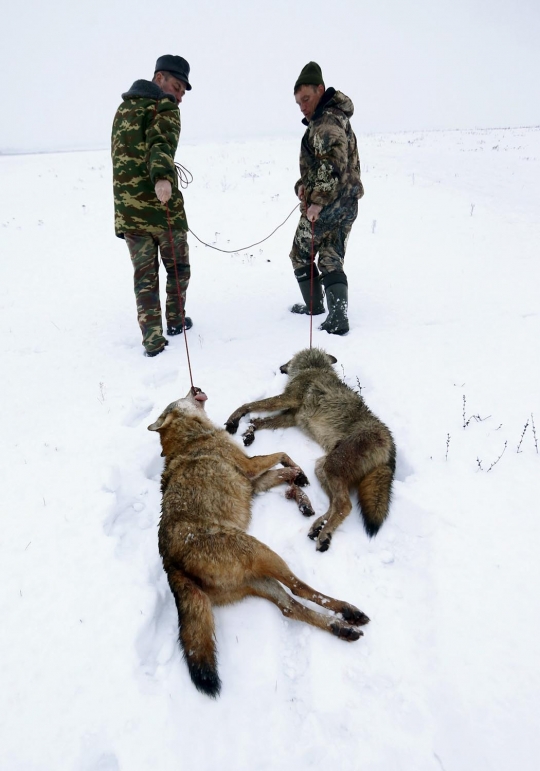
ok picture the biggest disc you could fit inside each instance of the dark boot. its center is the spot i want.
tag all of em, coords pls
(337, 297)
(179, 328)
(303, 276)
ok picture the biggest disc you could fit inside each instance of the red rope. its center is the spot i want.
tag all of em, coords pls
(180, 300)
(311, 285)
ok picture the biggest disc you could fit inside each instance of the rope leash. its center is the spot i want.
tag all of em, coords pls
(180, 300)
(185, 178)
(243, 248)
(312, 262)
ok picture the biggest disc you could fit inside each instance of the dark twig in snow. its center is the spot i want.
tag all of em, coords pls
(525, 427)
(498, 459)
(447, 446)
(534, 432)
(466, 420)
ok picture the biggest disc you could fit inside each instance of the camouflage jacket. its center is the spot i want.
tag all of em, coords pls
(329, 163)
(145, 135)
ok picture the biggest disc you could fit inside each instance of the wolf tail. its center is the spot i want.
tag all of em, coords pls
(374, 494)
(196, 637)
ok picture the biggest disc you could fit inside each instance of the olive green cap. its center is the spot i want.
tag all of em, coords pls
(311, 75)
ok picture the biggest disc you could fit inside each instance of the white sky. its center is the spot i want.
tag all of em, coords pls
(407, 65)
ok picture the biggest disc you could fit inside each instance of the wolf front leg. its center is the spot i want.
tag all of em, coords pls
(274, 403)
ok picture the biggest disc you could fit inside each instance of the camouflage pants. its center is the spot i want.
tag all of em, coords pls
(330, 237)
(143, 250)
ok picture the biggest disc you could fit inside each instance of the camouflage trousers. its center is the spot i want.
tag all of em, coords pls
(143, 250)
(331, 233)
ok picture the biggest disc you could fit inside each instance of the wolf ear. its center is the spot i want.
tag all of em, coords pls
(333, 359)
(161, 422)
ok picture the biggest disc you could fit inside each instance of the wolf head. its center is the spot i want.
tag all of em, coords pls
(193, 402)
(309, 358)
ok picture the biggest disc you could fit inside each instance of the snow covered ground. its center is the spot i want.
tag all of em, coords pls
(444, 305)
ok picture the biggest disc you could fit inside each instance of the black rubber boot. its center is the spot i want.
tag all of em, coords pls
(179, 328)
(337, 297)
(303, 276)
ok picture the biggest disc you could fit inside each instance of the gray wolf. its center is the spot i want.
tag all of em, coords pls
(360, 450)
(207, 486)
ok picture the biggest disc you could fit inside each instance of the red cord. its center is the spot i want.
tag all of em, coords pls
(311, 285)
(180, 300)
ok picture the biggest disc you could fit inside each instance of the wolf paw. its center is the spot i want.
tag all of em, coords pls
(316, 528)
(354, 616)
(323, 541)
(301, 479)
(249, 436)
(306, 510)
(232, 426)
(345, 632)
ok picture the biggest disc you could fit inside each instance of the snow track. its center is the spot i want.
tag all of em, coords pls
(443, 274)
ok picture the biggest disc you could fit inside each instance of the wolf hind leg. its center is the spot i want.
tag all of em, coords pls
(340, 506)
(267, 564)
(270, 589)
(196, 632)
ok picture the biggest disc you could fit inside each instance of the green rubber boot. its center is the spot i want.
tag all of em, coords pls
(303, 276)
(337, 297)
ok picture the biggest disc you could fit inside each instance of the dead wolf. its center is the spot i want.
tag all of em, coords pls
(360, 450)
(207, 486)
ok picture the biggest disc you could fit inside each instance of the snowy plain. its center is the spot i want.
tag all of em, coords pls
(443, 266)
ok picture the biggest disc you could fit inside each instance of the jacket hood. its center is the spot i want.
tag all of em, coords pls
(147, 90)
(335, 99)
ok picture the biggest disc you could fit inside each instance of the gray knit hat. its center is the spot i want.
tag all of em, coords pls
(311, 75)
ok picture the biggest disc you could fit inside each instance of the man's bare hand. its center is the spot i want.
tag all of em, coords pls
(163, 190)
(313, 212)
(301, 192)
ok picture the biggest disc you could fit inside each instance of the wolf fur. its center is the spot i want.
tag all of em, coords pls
(207, 485)
(360, 450)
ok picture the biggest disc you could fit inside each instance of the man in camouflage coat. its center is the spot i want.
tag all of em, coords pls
(148, 205)
(329, 188)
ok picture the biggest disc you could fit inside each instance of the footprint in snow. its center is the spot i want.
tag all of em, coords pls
(157, 379)
(139, 410)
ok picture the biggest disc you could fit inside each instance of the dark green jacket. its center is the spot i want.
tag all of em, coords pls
(329, 163)
(145, 135)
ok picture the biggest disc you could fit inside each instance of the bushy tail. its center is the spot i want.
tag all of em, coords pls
(374, 494)
(196, 625)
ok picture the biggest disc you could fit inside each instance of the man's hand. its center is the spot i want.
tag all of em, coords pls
(313, 212)
(163, 190)
(301, 192)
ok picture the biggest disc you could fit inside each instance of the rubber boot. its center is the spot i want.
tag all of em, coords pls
(179, 328)
(337, 297)
(303, 276)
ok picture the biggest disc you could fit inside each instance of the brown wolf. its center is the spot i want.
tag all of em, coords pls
(207, 486)
(360, 450)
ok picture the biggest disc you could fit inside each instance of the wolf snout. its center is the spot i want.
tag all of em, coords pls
(198, 395)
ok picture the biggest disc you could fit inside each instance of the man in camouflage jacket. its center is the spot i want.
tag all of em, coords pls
(148, 206)
(329, 188)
